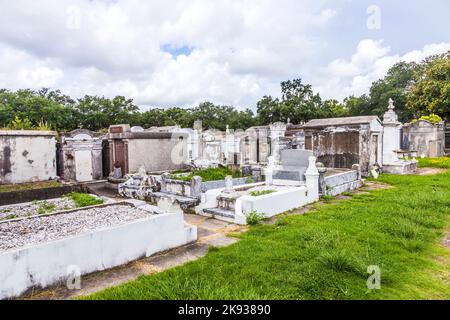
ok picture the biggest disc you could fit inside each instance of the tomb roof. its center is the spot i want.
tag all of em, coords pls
(340, 121)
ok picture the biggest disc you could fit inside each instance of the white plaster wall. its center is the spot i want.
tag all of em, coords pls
(271, 204)
(32, 156)
(44, 264)
(157, 154)
(208, 200)
(391, 142)
(83, 165)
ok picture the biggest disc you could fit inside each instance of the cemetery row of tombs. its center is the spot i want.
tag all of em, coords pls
(112, 198)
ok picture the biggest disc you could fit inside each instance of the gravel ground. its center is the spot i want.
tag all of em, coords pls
(16, 234)
(35, 208)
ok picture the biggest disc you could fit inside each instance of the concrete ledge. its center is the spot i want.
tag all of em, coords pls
(19, 196)
(209, 185)
(27, 133)
(272, 204)
(341, 182)
(48, 263)
(400, 167)
(349, 186)
(341, 178)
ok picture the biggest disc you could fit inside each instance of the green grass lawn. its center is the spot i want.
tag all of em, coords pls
(324, 254)
(443, 162)
(84, 199)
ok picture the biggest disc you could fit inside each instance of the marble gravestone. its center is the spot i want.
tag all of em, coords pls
(294, 163)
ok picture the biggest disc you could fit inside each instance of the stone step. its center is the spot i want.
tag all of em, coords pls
(178, 198)
(220, 212)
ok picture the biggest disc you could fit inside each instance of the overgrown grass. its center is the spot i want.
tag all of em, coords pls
(443, 162)
(210, 174)
(46, 207)
(261, 192)
(29, 186)
(327, 198)
(325, 253)
(253, 218)
(84, 199)
(9, 217)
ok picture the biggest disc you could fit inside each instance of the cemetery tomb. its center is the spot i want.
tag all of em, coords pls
(39, 251)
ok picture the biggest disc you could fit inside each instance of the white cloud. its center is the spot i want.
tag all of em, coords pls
(18, 69)
(241, 50)
(370, 62)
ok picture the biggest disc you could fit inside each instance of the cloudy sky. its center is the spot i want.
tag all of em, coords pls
(167, 53)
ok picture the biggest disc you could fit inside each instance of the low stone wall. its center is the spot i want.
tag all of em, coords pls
(274, 203)
(19, 196)
(209, 185)
(179, 187)
(184, 188)
(400, 167)
(341, 182)
(27, 156)
(51, 262)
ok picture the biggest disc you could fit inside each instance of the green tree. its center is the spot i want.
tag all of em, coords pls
(332, 108)
(298, 104)
(95, 113)
(212, 116)
(431, 91)
(268, 110)
(358, 106)
(37, 107)
(396, 85)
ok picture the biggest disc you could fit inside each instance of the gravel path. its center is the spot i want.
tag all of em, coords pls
(16, 234)
(35, 208)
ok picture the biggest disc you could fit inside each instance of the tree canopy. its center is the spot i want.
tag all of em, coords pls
(430, 93)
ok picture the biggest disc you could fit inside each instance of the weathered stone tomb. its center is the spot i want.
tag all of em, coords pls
(27, 156)
(81, 155)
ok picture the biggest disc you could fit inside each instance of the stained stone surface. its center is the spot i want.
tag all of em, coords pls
(30, 231)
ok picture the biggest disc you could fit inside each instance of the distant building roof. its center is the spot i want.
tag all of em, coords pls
(327, 122)
(259, 127)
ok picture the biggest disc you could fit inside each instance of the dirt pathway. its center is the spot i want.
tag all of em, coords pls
(429, 171)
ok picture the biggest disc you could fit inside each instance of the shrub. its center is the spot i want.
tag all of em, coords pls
(261, 192)
(210, 174)
(84, 199)
(20, 124)
(43, 126)
(327, 197)
(250, 180)
(433, 118)
(254, 218)
(46, 207)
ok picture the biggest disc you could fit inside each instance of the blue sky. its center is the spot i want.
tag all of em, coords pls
(176, 51)
(180, 53)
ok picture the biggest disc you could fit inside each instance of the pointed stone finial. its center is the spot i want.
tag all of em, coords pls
(391, 104)
(390, 116)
